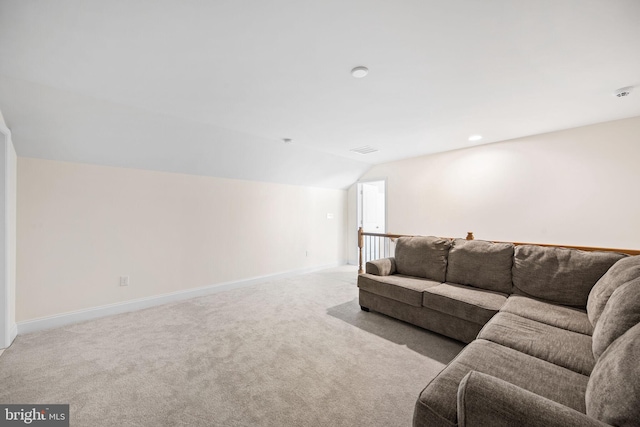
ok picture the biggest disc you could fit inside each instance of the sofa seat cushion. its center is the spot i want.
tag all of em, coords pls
(465, 302)
(623, 271)
(441, 323)
(396, 287)
(561, 347)
(559, 275)
(437, 404)
(422, 256)
(561, 316)
(481, 264)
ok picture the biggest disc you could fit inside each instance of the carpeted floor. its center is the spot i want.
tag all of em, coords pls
(291, 352)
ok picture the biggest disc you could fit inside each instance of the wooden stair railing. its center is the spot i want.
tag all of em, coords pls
(392, 237)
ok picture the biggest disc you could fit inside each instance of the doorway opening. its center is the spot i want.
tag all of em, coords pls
(372, 206)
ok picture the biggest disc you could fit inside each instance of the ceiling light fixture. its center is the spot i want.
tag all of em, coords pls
(359, 72)
(473, 138)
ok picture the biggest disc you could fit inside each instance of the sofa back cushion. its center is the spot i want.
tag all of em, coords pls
(481, 264)
(621, 272)
(614, 386)
(619, 315)
(560, 275)
(422, 257)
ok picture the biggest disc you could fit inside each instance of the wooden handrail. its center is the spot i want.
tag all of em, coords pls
(582, 248)
(362, 233)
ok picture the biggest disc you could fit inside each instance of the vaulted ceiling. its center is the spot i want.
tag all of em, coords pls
(212, 88)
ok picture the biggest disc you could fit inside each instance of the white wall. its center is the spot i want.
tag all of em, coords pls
(573, 187)
(82, 226)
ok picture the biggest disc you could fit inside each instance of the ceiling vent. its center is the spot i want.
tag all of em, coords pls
(364, 150)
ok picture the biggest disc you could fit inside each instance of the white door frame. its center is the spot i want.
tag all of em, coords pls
(8, 328)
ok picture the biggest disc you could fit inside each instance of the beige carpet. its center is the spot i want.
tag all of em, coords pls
(291, 352)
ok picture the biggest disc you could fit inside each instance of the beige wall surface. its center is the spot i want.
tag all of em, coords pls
(80, 227)
(573, 187)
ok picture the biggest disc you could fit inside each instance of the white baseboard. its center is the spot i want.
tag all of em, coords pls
(140, 303)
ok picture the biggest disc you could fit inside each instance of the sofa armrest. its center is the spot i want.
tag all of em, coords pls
(381, 267)
(484, 401)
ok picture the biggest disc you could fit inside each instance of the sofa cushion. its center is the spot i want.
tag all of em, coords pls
(465, 302)
(621, 313)
(437, 404)
(397, 287)
(560, 275)
(561, 347)
(442, 323)
(481, 264)
(613, 392)
(620, 273)
(572, 319)
(422, 257)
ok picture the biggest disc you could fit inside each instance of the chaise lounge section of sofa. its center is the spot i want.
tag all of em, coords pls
(553, 332)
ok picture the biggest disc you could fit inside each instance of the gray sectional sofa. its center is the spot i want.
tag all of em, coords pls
(553, 333)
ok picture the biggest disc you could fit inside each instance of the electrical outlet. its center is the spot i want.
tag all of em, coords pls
(124, 280)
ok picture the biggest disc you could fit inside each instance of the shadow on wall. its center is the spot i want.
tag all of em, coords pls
(426, 343)
(475, 177)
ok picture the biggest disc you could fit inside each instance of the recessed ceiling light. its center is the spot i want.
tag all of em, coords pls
(359, 72)
(475, 138)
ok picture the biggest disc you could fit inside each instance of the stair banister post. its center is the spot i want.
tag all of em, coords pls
(360, 246)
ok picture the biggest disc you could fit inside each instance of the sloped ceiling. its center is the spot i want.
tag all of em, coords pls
(212, 88)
